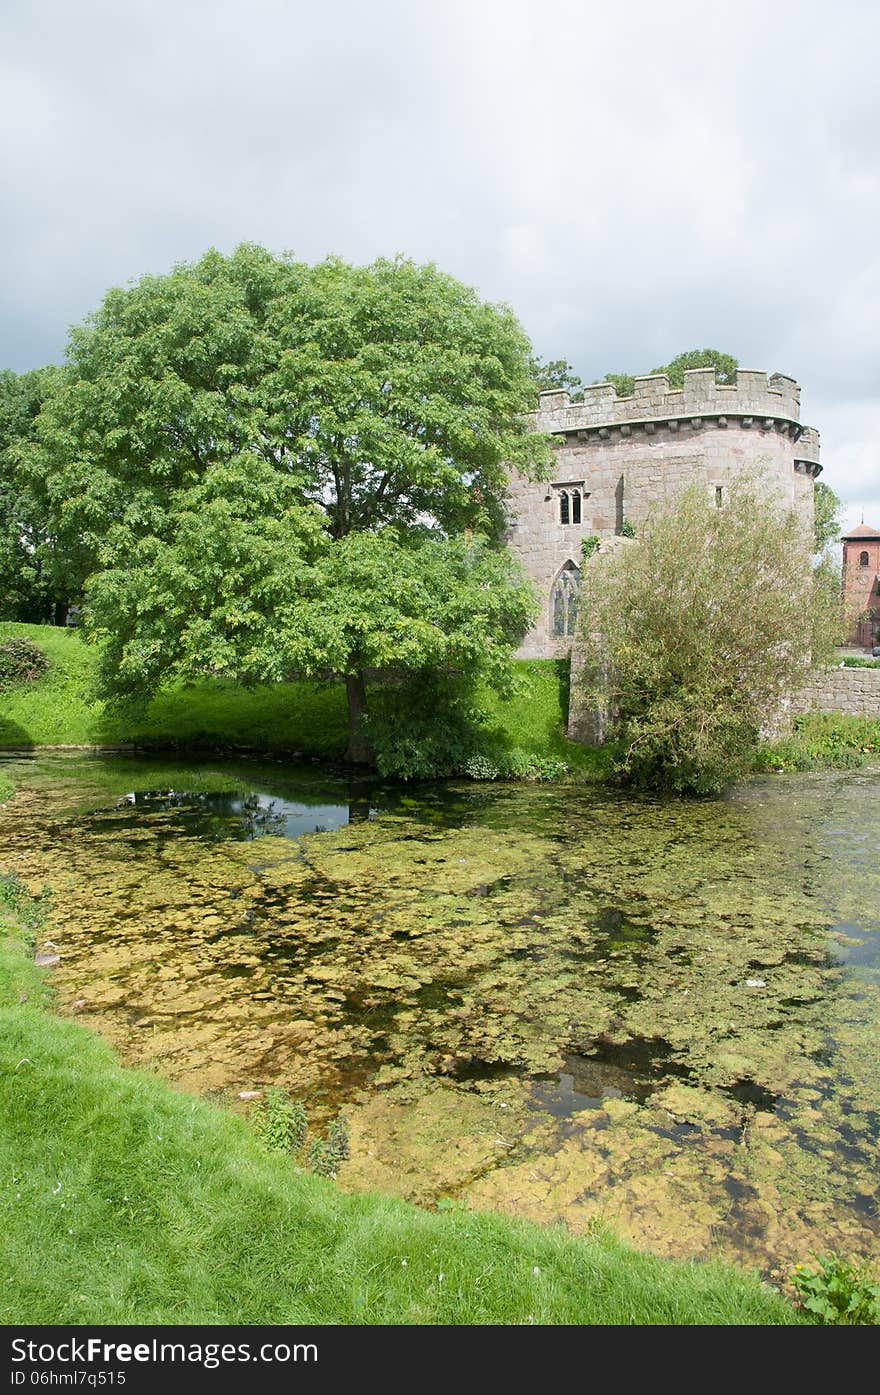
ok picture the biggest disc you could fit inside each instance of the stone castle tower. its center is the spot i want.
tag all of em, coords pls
(616, 458)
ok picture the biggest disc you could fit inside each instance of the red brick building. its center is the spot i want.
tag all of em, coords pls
(861, 584)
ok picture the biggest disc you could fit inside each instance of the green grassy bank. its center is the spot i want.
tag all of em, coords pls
(123, 1200)
(307, 717)
(310, 718)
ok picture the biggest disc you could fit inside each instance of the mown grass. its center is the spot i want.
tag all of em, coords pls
(306, 717)
(125, 1201)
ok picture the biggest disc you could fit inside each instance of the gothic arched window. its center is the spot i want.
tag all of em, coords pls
(564, 600)
(575, 506)
(563, 507)
(863, 559)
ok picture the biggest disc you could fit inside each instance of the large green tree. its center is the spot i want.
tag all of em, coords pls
(273, 469)
(695, 633)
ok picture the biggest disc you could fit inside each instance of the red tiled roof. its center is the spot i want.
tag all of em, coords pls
(863, 530)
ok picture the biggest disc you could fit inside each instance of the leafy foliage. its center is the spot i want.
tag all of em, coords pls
(326, 1155)
(694, 632)
(282, 1126)
(21, 661)
(29, 910)
(30, 563)
(624, 383)
(279, 1121)
(826, 526)
(725, 366)
(274, 470)
(834, 740)
(555, 374)
(837, 1292)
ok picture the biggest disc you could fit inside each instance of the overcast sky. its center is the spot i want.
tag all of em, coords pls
(634, 179)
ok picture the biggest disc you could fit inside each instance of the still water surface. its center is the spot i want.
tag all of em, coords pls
(564, 1003)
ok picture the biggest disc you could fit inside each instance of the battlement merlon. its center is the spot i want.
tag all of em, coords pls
(753, 395)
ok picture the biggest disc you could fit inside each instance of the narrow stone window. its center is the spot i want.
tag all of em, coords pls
(564, 601)
(719, 496)
(863, 559)
(576, 506)
(563, 507)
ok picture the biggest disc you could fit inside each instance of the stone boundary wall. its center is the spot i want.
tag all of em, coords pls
(855, 691)
(852, 691)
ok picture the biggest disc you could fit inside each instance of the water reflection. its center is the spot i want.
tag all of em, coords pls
(227, 814)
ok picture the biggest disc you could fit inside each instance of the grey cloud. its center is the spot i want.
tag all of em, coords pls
(632, 183)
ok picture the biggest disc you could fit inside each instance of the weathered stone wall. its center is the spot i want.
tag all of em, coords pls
(851, 690)
(627, 455)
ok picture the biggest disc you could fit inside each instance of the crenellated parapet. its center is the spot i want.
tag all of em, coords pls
(767, 401)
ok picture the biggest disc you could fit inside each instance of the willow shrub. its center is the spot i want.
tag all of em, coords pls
(695, 632)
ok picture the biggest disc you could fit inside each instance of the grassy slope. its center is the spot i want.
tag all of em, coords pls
(145, 1205)
(307, 717)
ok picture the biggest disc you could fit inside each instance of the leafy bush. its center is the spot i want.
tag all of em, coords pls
(837, 1293)
(280, 1122)
(326, 1155)
(823, 739)
(480, 767)
(282, 1126)
(21, 661)
(692, 635)
(853, 661)
(426, 727)
(29, 910)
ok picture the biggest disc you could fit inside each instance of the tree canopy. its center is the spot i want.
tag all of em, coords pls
(725, 366)
(266, 468)
(554, 374)
(29, 563)
(826, 526)
(695, 632)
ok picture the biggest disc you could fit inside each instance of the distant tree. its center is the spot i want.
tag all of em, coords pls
(276, 469)
(695, 631)
(826, 526)
(624, 383)
(28, 560)
(725, 366)
(556, 374)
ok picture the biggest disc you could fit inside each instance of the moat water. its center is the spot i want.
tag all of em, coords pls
(559, 1002)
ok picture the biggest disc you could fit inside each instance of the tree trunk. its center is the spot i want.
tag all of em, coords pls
(358, 746)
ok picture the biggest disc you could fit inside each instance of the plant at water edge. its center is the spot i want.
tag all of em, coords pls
(280, 1122)
(326, 1155)
(282, 1126)
(837, 1292)
(29, 910)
